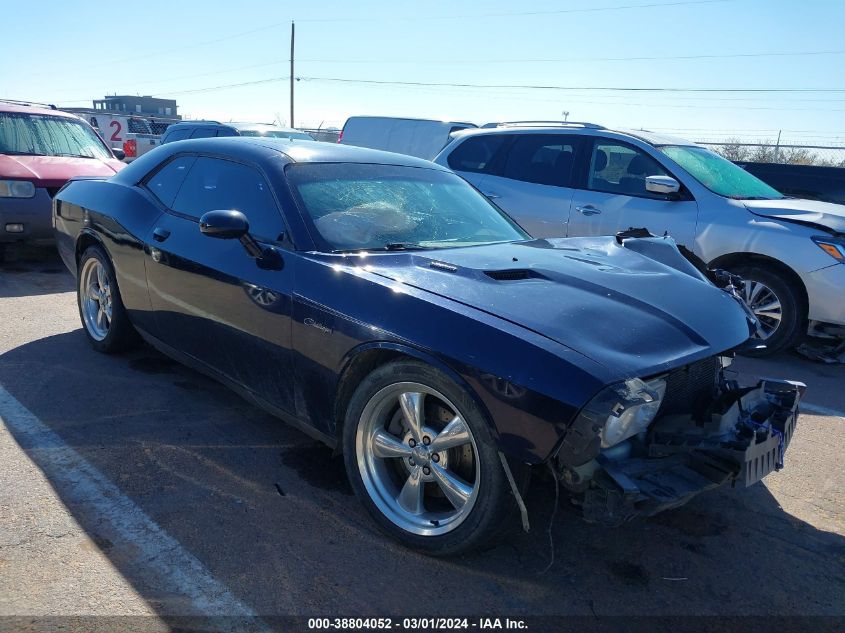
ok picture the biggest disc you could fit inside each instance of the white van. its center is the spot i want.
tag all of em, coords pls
(422, 138)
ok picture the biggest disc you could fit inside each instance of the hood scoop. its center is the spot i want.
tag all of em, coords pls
(514, 274)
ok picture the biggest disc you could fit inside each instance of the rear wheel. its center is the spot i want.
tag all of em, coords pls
(421, 458)
(779, 305)
(101, 310)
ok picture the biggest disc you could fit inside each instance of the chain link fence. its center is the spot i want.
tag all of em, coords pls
(773, 152)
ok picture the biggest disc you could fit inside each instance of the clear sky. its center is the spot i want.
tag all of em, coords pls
(72, 52)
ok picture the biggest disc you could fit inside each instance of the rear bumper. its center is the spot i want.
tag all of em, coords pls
(740, 446)
(33, 213)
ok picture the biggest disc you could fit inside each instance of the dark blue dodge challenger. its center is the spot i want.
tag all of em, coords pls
(384, 306)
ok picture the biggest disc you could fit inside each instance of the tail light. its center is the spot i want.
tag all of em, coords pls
(130, 148)
(340, 136)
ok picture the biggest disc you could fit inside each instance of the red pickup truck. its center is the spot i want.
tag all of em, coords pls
(40, 150)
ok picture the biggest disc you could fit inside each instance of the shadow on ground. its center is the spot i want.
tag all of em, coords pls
(31, 270)
(270, 514)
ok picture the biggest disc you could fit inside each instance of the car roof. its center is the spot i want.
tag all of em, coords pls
(402, 118)
(240, 125)
(318, 152)
(260, 149)
(198, 123)
(647, 136)
(34, 109)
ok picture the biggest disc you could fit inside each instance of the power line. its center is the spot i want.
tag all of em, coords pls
(418, 62)
(572, 59)
(550, 87)
(508, 14)
(224, 86)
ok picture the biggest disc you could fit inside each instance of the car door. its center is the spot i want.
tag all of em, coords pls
(212, 300)
(612, 197)
(534, 185)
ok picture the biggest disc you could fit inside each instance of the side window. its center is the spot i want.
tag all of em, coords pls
(213, 183)
(203, 132)
(476, 153)
(544, 159)
(165, 183)
(225, 131)
(178, 135)
(622, 169)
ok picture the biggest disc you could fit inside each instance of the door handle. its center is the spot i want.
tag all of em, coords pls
(491, 195)
(588, 210)
(160, 234)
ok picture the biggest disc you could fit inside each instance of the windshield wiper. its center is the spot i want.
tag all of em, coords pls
(73, 155)
(391, 246)
(403, 246)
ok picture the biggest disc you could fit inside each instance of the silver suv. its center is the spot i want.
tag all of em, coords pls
(576, 179)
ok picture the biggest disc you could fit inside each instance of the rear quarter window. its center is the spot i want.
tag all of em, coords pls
(477, 153)
(164, 184)
(543, 159)
(204, 132)
(177, 135)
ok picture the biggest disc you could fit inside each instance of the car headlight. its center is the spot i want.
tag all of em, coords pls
(16, 189)
(616, 413)
(636, 404)
(833, 246)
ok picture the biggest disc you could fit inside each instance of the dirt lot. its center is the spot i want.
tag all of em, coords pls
(132, 485)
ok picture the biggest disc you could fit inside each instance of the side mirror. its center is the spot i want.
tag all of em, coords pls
(224, 224)
(119, 154)
(662, 184)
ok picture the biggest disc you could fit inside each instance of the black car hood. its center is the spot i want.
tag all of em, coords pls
(601, 299)
(814, 213)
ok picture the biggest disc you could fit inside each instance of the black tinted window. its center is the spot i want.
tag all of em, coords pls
(545, 159)
(178, 135)
(204, 132)
(225, 131)
(476, 153)
(165, 184)
(221, 184)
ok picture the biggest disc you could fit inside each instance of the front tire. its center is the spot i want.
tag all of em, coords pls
(421, 458)
(779, 305)
(101, 309)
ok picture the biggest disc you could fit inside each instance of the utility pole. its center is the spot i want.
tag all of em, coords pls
(292, 35)
(777, 146)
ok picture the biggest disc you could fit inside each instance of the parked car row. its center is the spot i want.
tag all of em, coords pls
(208, 129)
(41, 148)
(135, 135)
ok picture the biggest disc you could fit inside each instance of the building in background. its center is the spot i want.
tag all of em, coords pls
(143, 106)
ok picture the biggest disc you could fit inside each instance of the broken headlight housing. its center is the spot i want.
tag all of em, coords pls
(617, 412)
(633, 405)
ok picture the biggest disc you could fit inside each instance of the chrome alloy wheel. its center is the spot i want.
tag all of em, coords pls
(764, 303)
(417, 458)
(95, 299)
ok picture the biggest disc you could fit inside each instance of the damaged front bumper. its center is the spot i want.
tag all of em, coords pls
(739, 439)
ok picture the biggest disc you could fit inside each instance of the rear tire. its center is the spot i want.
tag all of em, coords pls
(770, 294)
(401, 481)
(104, 318)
